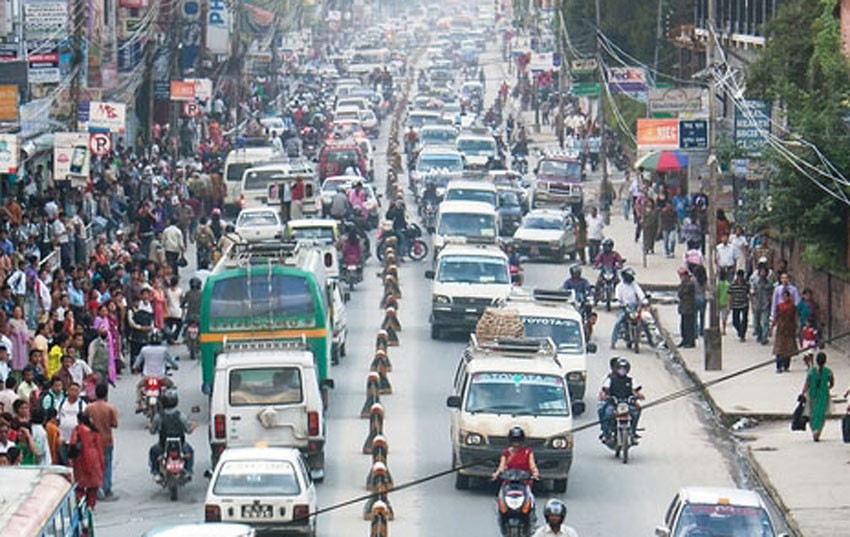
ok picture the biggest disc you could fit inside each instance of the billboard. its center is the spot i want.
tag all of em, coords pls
(655, 133)
(627, 80)
(71, 156)
(218, 27)
(109, 117)
(670, 102)
(10, 150)
(45, 19)
(9, 102)
(43, 62)
(752, 125)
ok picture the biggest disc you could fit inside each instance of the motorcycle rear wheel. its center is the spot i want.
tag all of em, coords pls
(636, 338)
(418, 250)
(172, 492)
(624, 442)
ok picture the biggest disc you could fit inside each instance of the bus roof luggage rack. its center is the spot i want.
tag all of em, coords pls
(245, 253)
(264, 344)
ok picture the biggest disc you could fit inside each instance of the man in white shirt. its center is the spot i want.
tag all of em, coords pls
(68, 410)
(555, 512)
(726, 256)
(738, 240)
(629, 294)
(595, 236)
(8, 395)
(172, 243)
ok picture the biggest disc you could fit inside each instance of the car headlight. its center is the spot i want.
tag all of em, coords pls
(576, 376)
(562, 442)
(473, 439)
(441, 299)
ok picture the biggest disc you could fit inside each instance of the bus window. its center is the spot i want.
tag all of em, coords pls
(290, 295)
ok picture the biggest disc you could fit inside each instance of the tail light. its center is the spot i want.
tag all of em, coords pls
(218, 426)
(300, 511)
(212, 513)
(313, 423)
(153, 383)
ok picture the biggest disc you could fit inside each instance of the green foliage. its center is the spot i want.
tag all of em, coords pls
(630, 110)
(803, 69)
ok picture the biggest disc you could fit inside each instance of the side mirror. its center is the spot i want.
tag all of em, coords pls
(346, 296)
(592, 348)
(661, 531)
(328, 383)
(429, 274)
(453, 401)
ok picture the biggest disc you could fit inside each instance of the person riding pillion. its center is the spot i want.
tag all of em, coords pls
(153, 361)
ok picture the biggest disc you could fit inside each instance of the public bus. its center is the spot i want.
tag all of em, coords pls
(41, 501)
(258, 290)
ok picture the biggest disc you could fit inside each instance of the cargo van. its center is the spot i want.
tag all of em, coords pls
(267, 391)
(235, 164)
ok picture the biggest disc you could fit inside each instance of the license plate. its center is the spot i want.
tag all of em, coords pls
(152, 393)
(174, 465)
(255, 511)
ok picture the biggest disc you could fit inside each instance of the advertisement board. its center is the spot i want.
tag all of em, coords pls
(627, 80)
(45, 19)
(752, 124)
(9, 102)
(693, 134)
(670, 102)
(10, 149)
(43, 62)
(218, 27)
(655, 133)
(71, 156)
(106, 116)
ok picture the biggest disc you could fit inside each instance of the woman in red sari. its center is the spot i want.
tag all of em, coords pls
(88, 462)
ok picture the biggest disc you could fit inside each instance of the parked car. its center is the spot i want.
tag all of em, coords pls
(259, 224)
(546, 233)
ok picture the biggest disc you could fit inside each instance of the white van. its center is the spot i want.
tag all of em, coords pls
(548, 314)
(267, 391)
(467, 280)
(472, 221)
(261, 184)
(235, 164)
(505, 383)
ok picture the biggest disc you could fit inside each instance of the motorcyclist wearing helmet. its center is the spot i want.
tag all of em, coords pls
(629, 294)
(191, 302)
(357, 198)
(554, 513)
(577, 284)
(430, 196)
(608, 257)
(171, 423)
(621, 387)
(352, 253)
(398, 215)
(517, 456)
(153, 361)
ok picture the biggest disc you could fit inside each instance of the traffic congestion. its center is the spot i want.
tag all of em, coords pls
(385, 216)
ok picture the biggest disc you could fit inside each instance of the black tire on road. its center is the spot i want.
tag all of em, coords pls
(172, 492)
(418, 250)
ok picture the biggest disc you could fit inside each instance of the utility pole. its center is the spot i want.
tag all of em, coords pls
(604, 187)
(561, 33)
(77, 18)
(236, 57)
(712, 342)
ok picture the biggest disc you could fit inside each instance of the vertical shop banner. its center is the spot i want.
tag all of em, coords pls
(10, 150)
(96, 42)
(111, 117)
(190, 34)
(71, 156)
(218, 27)
(752, 125)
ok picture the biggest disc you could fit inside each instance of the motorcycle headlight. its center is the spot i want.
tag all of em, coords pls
(561, 442)
(473, 439)
(514, 502)
(441, 299)
(622, 408)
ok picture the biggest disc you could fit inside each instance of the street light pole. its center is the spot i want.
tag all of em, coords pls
(604, 187)
(712, 342)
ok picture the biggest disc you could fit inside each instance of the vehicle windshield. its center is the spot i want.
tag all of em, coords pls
(420, 120)
(236, 170)
(343, 156)
(566, 333)
(476, 147)
(543, 222)
(472, 194)
(258, 218)
(560, 168)
(312, 232)
(517, 394)
(452, 163)
(508, 199)
(265, 386)
(261, 180)
(467, 225)
(239, 302)
(438, 136)
(347, 115)
(703, 520)
(256, 478)
(457, 269)
(330, 187)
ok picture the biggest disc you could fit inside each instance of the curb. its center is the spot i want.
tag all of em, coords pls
(727, 419)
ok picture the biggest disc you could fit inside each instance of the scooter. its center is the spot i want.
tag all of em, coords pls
(172, 467)
(516, 504)
(352, 274)
(621, 440)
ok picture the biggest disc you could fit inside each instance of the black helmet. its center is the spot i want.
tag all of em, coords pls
(575, 271)
(555, 507)
(195, 283)
(608, 245)
(623, 363)
(629, 275)
(155, 337)
(169, 398)
(516, 434)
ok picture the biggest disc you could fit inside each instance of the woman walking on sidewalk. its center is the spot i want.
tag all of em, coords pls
(819, 381)
(785, 323)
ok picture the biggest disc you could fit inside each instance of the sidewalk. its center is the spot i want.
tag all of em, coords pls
(807, 481)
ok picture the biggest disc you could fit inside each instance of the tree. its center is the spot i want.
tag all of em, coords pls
(803, 70)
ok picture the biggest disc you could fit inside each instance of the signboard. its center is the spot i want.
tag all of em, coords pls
(191, 89)
(110, 117)
(71, 156)
(584, 67)
(670, 102)
(43, 62)
(218, 27)
(100, 143)
(752, 125)
(9, 102)
(10, 150)
(627, 80)
(657, 133)
(584, 89)
(9, 52)
(44, 19)
(161, 90)
(693, 134)
(192, 109)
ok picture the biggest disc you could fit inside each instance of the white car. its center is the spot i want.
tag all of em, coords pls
(267, 488)
(273, 125)
(260, 224)
(717, 511)
(202, 530)
(546, 233)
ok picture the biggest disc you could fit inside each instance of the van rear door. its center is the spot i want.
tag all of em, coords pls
(267, 404)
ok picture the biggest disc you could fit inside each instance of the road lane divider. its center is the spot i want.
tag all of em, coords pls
(376, 426)
(373, 393)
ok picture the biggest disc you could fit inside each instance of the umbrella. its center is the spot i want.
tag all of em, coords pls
(663, 161)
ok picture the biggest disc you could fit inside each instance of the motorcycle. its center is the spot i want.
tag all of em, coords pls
(193, 339)
(172, 467)
(429, 216)
(352, 275)
(608, 280)
(636, 323)
(620, 440)
(516, 504)
(151, 393)
(412, 245)
(584, 304)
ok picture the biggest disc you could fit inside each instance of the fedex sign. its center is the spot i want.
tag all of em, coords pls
(218, 27)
